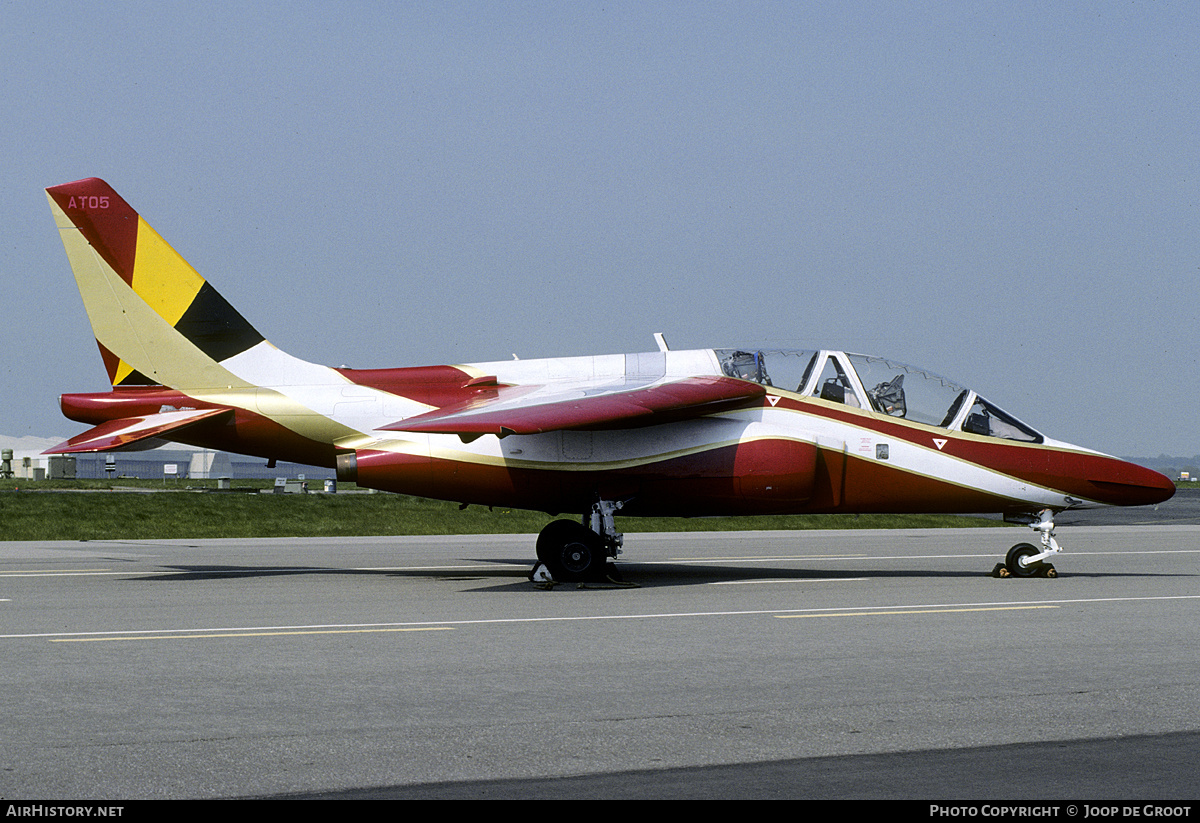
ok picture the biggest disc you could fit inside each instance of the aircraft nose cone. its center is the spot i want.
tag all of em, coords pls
(1128, 484)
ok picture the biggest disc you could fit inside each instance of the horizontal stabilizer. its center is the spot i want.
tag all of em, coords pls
(125, 433)
(617, 406)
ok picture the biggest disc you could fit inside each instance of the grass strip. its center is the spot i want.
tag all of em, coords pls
(81, 515)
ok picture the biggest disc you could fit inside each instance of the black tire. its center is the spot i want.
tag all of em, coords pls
(571, 551)
(553, 536)
(1013, 561)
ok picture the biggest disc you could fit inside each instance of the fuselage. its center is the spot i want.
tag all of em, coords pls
(822, 438)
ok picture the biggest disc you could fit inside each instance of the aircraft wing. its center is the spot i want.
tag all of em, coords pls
(128, 432)
(622, 404)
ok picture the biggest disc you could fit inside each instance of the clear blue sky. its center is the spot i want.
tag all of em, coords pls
(1005, 193)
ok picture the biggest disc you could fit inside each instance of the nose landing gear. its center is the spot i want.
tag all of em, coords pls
(1025, 559)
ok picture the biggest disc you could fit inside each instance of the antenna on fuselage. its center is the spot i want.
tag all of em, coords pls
(661, 341)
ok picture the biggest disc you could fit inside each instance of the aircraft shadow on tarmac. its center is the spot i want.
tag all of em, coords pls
(1160, 766)
(632, 575)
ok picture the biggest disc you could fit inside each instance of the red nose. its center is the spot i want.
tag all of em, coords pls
(1127, 484)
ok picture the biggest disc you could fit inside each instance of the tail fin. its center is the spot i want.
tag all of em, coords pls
(156, 320)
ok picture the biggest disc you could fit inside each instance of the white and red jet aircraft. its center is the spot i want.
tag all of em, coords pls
(705, 432)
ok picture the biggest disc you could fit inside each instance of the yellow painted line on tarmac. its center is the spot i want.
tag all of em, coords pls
(788, 580)
(761, 558)
(442, 625)
(889, 612)
(245, 634)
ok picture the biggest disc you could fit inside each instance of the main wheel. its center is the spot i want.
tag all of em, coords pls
(1015, 560)
(571, 551)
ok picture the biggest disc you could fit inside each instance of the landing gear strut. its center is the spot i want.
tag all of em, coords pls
(579, 552)
(1027, 560)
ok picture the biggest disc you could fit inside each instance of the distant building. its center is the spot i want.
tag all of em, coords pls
(190, 464)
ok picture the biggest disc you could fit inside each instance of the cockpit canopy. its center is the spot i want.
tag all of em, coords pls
(878, 384)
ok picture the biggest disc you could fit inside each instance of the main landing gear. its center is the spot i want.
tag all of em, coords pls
(579, 552)
(1026, 559)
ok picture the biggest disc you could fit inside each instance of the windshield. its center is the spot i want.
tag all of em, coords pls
(987, 418)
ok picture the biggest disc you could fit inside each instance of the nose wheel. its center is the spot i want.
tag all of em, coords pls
(1020, 563)
(1028, 560)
